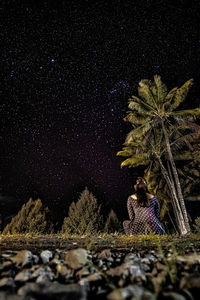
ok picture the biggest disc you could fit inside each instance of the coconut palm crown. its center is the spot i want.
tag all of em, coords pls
(157, 121)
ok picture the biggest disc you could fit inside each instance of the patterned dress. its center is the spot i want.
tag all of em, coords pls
(143, 220)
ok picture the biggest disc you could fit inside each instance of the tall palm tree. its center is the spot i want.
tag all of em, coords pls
(157, 108)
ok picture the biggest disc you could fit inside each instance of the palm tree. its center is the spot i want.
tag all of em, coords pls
(157, 109)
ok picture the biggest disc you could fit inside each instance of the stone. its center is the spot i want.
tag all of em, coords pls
(151, 258)
(82, 272)
(55, 291)
(35, 259)
(94, 277)
(77, 258)
(126, 292)
(173, 296)
(190, 259)
(6, 296)
(127, 269)
(7, 283)
(190, 282)
(45, 256)
(44, 274)
(23, 258)
(23, 276)
(105, 254)
(29, 288)
(131, 257)
(63, 270)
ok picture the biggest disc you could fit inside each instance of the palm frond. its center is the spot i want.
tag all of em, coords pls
(180, 95)
(138, 132)
(143, 103)
(144, 91)
(136, 118)
(161, 89)
(188, 114)
(136, 160)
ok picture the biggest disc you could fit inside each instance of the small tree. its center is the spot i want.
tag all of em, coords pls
(32, 218)
(112, 223)
(84, 216)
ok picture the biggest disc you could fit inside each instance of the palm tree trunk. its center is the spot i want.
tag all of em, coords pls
(175, 173)
(175, 202)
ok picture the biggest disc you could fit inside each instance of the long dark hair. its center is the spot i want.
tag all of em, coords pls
(141, 192)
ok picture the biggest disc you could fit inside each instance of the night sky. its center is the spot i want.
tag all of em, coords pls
(67, 71)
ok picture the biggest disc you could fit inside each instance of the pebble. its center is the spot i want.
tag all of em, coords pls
(23, 258)
(45, 256)
(77, 258)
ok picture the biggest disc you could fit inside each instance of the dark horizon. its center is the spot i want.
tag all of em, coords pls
(68, 71)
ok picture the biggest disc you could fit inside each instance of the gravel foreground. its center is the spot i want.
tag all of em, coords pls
(111, 274)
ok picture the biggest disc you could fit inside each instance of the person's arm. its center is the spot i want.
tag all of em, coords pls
(130, 209)
(157, 207)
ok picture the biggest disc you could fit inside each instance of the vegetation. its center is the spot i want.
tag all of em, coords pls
(112, 224)
(197, 224)
(84, 216)
(159, 130)
(32, 218)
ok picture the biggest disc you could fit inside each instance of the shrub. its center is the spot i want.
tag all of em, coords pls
(32, 218)
(112, 223)
(197, 224)
(84, 216)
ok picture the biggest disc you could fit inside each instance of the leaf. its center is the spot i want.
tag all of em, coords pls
(145, 93)
(161, 89)
(180, 95)
(189, 114)
(136, 160)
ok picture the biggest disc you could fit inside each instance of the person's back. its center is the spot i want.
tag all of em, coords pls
(143, 210)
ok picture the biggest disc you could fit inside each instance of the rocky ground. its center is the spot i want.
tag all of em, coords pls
(111, 274)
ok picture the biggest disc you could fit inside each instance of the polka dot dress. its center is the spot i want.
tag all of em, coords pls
(143, 220)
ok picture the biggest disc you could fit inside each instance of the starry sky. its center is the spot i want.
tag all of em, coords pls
(67, 71)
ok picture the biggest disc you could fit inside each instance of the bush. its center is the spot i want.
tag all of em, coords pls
(112, 223)
(197, 224)
(32, 218)
(84, 216)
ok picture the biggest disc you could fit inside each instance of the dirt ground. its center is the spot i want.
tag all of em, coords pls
(36, 243)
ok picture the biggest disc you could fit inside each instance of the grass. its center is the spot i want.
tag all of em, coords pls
(115, 242)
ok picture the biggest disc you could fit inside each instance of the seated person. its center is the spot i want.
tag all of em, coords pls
(144, 211)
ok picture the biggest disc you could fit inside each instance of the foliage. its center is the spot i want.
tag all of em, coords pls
(84, 216)
(112, 223)
(32, 218)
(156, 124)
(197, 224)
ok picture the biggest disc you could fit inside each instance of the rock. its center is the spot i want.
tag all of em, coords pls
(172, 296)
(45, 256)
(105, 255)
(151, 258)
(125, 293)
(127, 269)
(35, 259)
(190, 282)
(55, 291)
(6, 265)
(23, 258)
(190, 259)
(6, 296)
(94, 277)
(44, 274)
(29, 288)
(63, 270)
(23, 276)
(77, 258)
(6, 283)
(131, 257)
(82, 272)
